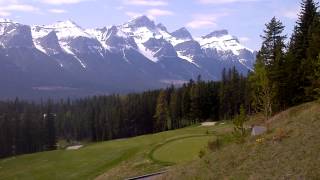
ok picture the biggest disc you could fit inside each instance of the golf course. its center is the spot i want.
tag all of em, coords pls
(116, 159)
(185, 153)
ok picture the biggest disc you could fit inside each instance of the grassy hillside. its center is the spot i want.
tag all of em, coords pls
(113, 159)
(290, 150)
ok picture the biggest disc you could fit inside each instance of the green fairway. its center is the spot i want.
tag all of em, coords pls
(182, 150)
(115, 159)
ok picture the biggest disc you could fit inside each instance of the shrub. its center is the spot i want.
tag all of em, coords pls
(201, 153)
(238, 122)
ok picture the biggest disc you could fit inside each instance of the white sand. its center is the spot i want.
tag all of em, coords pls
(74, 147)
(208, 123)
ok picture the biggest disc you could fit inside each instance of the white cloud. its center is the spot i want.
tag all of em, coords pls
(60, 2)
(201, 21)
(6, 10)
(119, 8)
(198, 24)
(19, 7)
(57, 11)
(8, 1)
(146, 2)
(224, 1)
(151, 13)
(291, 14)
(244, 39)
(132, 14)
(4, 13)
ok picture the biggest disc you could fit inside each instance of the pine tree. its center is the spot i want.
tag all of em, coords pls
(162, 116)
(195, 111)
(185, 104)
(300, 66)
(175, 108)
(50, 130)
(268, 79)
(312, 62)
(272, 55)
(314, 90)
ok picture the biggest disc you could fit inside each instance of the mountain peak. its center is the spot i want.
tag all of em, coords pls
(67, 29)
(4, 20)
(162, 27)
(142, 21)
(182, 33)
(65, 24)
(218, 33)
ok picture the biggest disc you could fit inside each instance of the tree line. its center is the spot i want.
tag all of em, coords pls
(285, 74)
(30, 127)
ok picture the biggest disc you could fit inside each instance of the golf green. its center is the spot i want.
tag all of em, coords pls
(181, 150)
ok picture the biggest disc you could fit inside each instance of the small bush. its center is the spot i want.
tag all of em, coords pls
(201, 154)
(239, 130)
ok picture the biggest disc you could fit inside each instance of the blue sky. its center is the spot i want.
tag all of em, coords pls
(243, 18)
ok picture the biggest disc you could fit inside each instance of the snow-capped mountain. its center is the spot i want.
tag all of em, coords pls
(63, 58)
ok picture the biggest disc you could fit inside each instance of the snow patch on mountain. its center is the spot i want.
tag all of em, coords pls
(101, 36)
(67, 29)
(222, 41)
(38, 46)
(244, 62)
(4, 23)
(147, 53)
(187, 58)
(38, 32)
(68, 50)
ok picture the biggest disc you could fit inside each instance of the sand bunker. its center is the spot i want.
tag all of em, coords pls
(74, 147)
(208, 123)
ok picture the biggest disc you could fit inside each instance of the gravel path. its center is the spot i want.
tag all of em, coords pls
(152, 176)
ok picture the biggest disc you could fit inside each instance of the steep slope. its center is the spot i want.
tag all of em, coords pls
(23, 67)
(289, 151)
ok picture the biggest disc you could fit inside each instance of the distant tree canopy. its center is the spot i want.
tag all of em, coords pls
(29, 127)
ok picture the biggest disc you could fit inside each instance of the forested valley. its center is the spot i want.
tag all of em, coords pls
(30, 127)
(285, 74)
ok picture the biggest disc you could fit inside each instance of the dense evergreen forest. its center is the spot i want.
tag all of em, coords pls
(284, 75)
(29, 127)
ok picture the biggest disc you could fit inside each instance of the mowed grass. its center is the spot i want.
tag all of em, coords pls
(290, 150)
(116, 159)
(181, 150)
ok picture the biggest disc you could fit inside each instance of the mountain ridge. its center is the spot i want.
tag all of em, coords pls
(133, 56)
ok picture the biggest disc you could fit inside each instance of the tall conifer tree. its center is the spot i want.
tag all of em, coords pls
(300, 66)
